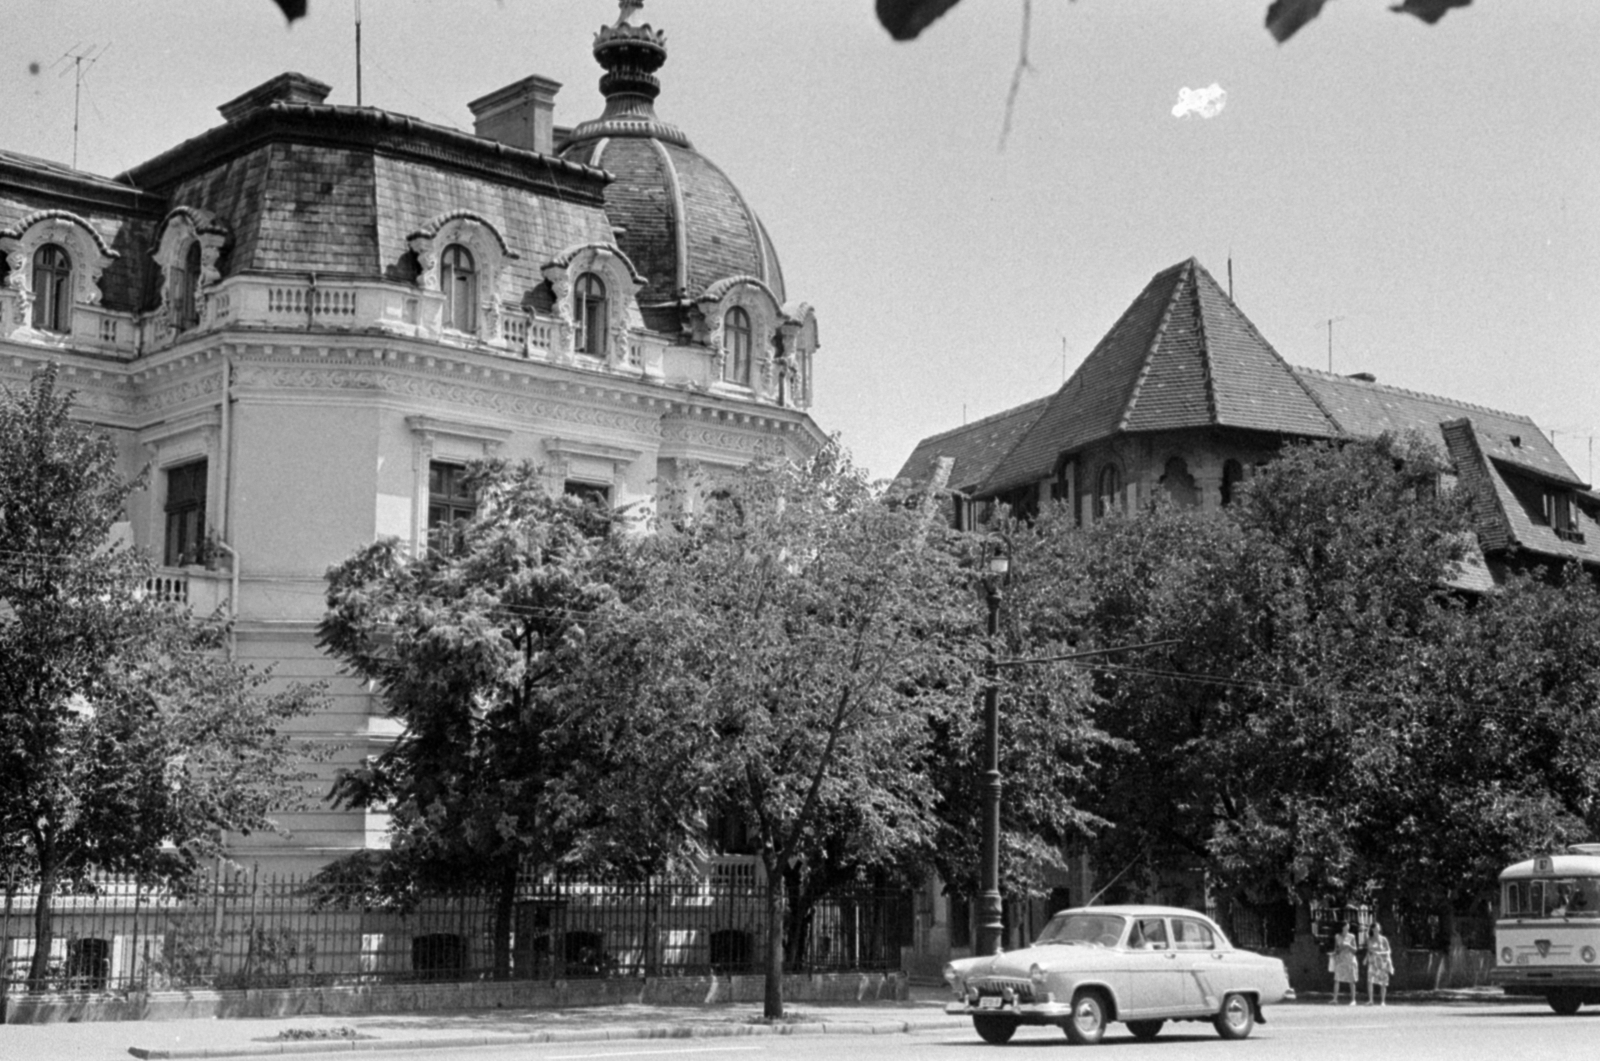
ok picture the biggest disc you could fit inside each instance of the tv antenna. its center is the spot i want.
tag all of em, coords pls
(82, 57)
(1331, 322)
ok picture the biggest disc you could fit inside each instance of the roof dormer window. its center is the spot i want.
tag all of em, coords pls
(589, 305)
(458, 280)
(738, 340)
(1561, 513)
(52, 289)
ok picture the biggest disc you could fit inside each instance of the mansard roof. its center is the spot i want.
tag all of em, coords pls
(1181, 356)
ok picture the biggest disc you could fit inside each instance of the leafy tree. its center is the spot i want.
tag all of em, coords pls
(905, 19)
(479, 645)
(1254, 742)
(128, 741)
(1498, 753)
(811, 634)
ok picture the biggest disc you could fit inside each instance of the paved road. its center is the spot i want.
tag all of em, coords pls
(1294, 1033)
(1307, 1031)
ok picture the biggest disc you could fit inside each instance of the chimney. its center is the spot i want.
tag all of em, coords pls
(285, 88)
(520, 115)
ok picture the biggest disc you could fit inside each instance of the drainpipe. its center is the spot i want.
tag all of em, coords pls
(226, 531)
(311, 304)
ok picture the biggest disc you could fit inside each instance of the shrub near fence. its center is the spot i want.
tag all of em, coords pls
(252, 931)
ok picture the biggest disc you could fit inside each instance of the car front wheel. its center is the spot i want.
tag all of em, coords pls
(996, 1030)
(1145, 1029)
(1088, 1022)
(1237, 1019)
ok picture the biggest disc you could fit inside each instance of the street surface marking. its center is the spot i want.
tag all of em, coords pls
(678, 1050)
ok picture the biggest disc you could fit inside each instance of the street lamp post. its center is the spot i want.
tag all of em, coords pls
(991, 926)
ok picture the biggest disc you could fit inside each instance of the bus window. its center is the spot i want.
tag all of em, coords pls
(1559, 897)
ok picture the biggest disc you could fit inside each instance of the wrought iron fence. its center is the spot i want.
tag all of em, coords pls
(247, 930)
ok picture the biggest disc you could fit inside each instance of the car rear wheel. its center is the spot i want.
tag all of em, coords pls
(996, 1030)
(1565, 1003)
(1237, 1019)
(1087, 1025)
(1145, 1029)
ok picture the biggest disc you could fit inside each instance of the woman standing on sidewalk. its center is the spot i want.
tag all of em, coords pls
(1346, 969)
(1380, 964)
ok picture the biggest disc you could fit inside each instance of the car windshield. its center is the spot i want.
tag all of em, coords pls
(1104, 929)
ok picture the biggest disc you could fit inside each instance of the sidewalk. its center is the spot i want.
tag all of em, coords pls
(296, 1036)
(290, 1036)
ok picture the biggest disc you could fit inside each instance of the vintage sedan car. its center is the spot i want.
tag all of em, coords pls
(1142, 965)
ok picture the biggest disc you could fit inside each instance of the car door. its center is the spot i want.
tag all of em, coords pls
(1203, 962)
(1153, 976)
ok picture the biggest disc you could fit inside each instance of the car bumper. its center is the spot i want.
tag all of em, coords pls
(1040, 1012)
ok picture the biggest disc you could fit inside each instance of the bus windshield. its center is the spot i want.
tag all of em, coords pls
(1552, 897)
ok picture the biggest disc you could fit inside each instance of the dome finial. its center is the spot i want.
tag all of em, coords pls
(631, 55)
(629, 9)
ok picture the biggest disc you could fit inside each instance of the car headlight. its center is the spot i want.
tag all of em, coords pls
(1505, 956)
(952, 976)
(1036, 976)
(1588, 954)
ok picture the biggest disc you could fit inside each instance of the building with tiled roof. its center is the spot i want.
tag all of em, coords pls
(1184, 395)
(308, 318)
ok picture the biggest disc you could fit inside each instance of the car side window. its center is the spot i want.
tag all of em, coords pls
(1193, 935)
(1150, 932)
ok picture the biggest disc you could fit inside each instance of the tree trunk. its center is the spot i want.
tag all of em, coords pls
(43, 936)
(798, 922)
(772, 1008)
(504, 907)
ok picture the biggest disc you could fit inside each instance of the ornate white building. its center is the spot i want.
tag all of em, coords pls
(306, 320)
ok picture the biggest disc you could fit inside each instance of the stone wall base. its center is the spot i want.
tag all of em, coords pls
(362, 999)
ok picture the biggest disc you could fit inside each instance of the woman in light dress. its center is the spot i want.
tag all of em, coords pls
(1380, 964)
(1346, 969)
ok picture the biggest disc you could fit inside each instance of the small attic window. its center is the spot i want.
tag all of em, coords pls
(1516, 440)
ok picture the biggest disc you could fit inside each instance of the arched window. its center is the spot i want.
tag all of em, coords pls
(458, 279)
(52, 289)
(185, 292)
(1107, 491)
(736, 345)
(589, 311)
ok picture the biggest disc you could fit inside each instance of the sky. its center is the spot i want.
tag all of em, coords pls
(1433, 192)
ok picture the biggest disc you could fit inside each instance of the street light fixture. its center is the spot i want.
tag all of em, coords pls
(991, 922)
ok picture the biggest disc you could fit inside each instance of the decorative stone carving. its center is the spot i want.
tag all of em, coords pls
(87, 249)
(491, 256)
(623, 284)
(427, 262)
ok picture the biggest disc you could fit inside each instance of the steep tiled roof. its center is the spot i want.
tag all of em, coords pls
(1364, 408)
(975, 448)
(1181, 356)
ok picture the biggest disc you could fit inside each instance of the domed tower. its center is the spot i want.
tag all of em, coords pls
(712, 278)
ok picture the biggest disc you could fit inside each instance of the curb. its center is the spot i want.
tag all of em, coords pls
(576, 1035)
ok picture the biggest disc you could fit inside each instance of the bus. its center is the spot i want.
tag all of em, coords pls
(1548, 932)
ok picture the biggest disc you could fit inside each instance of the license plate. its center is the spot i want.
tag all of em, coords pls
(989, 1002)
